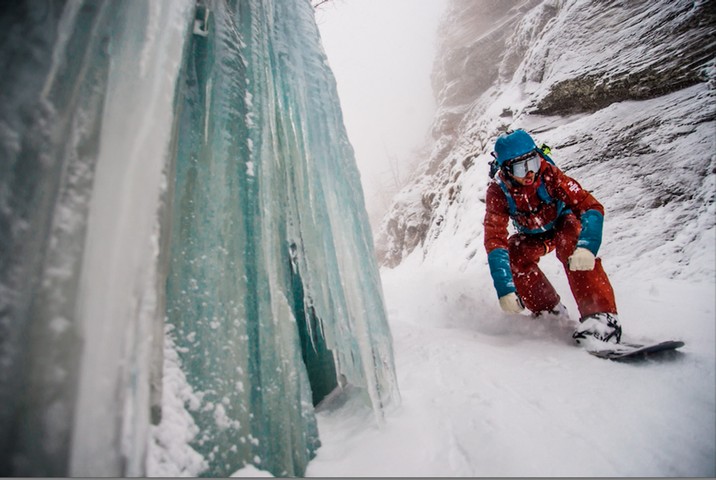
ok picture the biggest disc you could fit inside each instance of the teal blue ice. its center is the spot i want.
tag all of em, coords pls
(272, 284)
(177, 170)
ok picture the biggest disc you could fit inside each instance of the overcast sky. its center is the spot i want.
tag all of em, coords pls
(381, 52)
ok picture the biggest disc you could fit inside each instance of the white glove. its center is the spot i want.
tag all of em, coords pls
(511, 303)
(581, 260)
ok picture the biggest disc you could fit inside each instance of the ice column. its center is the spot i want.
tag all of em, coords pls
(188, 149)
(86, 107)
(273, 293)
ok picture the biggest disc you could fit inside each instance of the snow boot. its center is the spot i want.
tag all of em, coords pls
(559, 313)
(603, 327)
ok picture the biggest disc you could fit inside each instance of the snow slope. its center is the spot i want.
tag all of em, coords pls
(489, 394)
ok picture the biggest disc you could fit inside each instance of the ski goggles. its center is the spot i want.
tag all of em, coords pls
(520, 166)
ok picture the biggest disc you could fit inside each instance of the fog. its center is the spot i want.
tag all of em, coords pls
(381, 52)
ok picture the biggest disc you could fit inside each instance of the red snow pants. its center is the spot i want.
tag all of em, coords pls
(591, 289)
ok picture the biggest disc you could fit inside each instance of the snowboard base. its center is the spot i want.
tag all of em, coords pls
(631, 351)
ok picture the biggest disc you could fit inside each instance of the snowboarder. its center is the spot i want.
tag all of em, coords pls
(550, 212)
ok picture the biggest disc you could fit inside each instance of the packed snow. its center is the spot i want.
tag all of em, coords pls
(490, 394)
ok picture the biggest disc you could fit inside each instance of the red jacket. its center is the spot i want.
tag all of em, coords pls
(534, 213)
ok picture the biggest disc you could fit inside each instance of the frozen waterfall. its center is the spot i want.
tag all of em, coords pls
(177, 172)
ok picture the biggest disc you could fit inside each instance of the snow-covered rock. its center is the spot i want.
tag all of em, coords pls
(623, 92)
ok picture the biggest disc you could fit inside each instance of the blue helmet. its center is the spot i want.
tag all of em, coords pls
(513, 145)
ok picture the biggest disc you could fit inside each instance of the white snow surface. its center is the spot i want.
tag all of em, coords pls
(490, 394)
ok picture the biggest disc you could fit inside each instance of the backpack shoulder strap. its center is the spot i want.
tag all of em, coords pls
(543, 194)
(510, 201)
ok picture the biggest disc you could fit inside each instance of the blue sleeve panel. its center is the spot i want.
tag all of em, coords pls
(591, 236)
(499, 261)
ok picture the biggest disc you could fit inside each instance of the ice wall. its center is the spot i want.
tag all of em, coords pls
(140, 158)
(273, 289)
(85, 120)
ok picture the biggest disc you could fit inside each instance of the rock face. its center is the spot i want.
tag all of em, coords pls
(622, 91)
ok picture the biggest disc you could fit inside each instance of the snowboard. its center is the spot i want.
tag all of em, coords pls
(633, 351)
